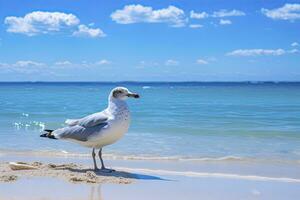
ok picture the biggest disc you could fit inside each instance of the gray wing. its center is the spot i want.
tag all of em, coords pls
(89, 121)
(78, 132)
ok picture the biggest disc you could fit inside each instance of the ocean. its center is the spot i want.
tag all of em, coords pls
(171, 121)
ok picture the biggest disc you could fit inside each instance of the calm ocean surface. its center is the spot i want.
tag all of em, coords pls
(170, 121)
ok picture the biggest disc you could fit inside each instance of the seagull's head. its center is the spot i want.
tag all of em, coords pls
(122, 93)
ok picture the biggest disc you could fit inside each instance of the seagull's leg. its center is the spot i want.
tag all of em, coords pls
(100, 156)
(95, 164)
(102, 163)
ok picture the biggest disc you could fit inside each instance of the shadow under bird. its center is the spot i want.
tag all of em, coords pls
(99, 129)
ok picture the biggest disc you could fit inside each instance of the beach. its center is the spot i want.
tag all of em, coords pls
(186, 141)
(140, 179)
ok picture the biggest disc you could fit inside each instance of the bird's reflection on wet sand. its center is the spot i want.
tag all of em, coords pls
(95, 192)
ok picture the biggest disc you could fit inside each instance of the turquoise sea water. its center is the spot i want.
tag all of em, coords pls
(170, 120)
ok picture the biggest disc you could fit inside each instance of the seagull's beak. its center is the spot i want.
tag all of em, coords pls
(134, 95)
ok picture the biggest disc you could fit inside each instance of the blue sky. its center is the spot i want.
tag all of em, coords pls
(210, 40)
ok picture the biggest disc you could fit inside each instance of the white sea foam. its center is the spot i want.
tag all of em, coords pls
(146, 87)
(173, 158)
(210, 175)
(25, 114)
(32, 124)
(113, 156)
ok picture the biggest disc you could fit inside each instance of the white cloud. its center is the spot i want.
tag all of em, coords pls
(201, 15)
(63, 63)
(195, 26)
(103, 62)
(228, 13)
(295, 44)
(201, 62)
(24, 66)
(40, 22)
(293, 51)
(217, 14)
(145, 14)
(26, 63)
(143, 64)
(257, 52)
(82, 64)
(286, 12)
(85, 31)
(30, 67)
(171, 62)
(225, 22)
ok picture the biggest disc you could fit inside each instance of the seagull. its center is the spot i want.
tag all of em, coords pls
(99, 129)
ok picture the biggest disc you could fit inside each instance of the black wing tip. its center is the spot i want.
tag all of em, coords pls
(48, 134)
(44, 135)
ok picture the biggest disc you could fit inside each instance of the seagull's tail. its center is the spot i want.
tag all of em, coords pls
(48, 134)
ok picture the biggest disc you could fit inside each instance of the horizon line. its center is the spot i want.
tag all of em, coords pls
(150, 81)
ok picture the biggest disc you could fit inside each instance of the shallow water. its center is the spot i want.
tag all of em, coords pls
(170, 121)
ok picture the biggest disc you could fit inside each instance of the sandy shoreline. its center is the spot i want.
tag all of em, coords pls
(82, 174)
(73, 178)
